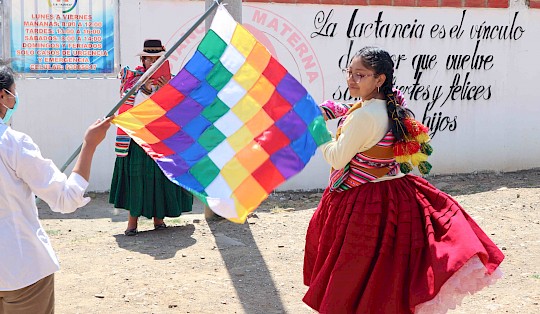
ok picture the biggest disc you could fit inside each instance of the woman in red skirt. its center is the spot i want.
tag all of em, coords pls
(382, 240)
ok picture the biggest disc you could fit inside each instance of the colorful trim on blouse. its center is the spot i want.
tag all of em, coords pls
(367, 166)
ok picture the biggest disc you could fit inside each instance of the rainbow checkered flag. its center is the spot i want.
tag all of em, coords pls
(232, 125)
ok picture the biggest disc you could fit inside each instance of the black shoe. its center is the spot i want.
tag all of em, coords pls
(130, 232)
(160, 226)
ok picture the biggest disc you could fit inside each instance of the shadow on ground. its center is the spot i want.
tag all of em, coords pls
(242, 256)
(152, 242)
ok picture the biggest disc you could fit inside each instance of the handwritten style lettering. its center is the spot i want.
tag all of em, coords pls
(378, 29)
(461, 70)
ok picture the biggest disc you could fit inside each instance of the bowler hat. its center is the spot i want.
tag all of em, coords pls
(152, 47)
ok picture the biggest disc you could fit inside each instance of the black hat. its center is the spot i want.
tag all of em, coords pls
(152, 47)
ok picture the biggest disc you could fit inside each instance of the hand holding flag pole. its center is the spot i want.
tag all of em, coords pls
(149, 73)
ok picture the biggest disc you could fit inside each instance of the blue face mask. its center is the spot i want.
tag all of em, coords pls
(10, 111)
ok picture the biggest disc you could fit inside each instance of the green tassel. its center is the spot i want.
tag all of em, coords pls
(405, 167)
(424, 167)
(426, 149)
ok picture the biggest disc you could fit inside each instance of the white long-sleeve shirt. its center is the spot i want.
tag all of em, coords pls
(26, 254)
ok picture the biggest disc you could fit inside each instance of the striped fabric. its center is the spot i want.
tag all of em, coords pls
(332, 109)
(121, 145)
(128, 78)
(369, 165)
(366, 166)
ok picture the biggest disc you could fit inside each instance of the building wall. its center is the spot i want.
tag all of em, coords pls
(469, 69)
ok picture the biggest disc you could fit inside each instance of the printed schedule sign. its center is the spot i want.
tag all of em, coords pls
(63, 36)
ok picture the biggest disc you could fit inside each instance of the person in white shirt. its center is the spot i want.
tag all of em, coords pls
(27, 260)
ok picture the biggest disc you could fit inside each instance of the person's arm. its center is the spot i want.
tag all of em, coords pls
(331, 109)
(93, 136)
(150, 86)
(357, 135)
(63, 194)
(147, 88)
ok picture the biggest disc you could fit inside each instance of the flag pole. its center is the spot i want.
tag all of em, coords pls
(149, 73)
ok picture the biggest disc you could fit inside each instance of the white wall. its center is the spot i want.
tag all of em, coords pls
(56, 113)
(498, 133)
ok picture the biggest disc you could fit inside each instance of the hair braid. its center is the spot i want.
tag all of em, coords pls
(380, 61)
(411, 139)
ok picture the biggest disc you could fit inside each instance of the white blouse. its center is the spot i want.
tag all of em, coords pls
(26, 254)
(362, 129)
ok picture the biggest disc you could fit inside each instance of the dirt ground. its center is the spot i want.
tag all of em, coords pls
(215, 266)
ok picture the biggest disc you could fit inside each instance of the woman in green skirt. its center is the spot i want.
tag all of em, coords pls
(138, 184)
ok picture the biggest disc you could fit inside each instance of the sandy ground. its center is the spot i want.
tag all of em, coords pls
(214, 266)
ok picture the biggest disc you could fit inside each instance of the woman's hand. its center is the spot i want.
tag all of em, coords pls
(148, 84)
(161, 81)
(323, 113)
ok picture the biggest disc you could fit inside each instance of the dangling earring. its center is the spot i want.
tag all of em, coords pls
(378, 90)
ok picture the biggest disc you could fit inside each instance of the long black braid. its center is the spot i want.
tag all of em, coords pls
(380, 62)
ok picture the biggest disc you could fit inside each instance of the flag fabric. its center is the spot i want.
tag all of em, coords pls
(232, 125)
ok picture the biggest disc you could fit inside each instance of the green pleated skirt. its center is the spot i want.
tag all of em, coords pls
(139, 186)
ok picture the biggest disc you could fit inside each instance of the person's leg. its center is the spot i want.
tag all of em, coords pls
(159, 223)
(37, 298)
(132, 225)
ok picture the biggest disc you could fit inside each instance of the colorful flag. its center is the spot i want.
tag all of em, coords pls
(232, 125)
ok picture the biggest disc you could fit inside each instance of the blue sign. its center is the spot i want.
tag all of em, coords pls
(63, 36)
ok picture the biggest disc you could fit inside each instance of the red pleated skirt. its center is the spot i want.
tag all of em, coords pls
(390, 246)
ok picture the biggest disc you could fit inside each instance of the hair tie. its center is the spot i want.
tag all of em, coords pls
(390, 101)
(394, 116)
